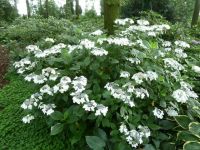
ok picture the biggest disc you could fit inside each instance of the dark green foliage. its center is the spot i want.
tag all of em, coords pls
(173, 10)
(29, 31)
(24, 32)
(14, 135)
(53, 10)
(7, 12)
(133, 8)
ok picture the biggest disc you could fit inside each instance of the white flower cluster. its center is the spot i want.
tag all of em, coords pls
(179, 53)
(35, 101)
(143, 22)
(119, 93)
(124, 74)
(79, 97)
(170, 62)
(124, 21)
(27, 118)
(171, 111)
(158, 113)
(166, 44)
(63, 86)
(117, 41)
(145, 27)
(32, 48)
(46, 89)
(134, 137)
(47, 74)
(185, 93)
(134, 60)
(182, 44)
(49, 40)
(196, 69)
(99, 51)
(141, 93)
(73, 47)
(32, 101)
(50, 73)
(56, 49)
(97, 32)
(87, 44)
(47, 109)
(141, 44)
(149, 75)
(23, 65)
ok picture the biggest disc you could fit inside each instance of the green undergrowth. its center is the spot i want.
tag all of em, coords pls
(14, 135)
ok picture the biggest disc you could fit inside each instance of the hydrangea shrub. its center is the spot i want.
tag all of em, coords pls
(131, 85)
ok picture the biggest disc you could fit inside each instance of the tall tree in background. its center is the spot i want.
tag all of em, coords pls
(47, 8)
(111, 12)
(78, 9)
(7, 11)
(40, 8)
(71, 6)
(196, 13)
(15, 3)
(28, 8)
(69, 10)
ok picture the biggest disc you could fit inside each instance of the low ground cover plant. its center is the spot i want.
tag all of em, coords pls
(119, 92)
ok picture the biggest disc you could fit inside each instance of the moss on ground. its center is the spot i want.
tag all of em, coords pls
(14, 135)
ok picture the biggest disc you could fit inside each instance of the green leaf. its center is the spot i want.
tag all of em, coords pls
(168, 146)
(191, 145)
(183, 121)
(57, 128)
(66, 56)
(186, 136)
(194, 128)
(167, 124)
(95, 142)
(57, 115)
(149, 147)
(66, 115)
(101, 133)
(122, 146)
(153, 126)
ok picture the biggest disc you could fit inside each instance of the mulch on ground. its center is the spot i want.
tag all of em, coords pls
(4, 62)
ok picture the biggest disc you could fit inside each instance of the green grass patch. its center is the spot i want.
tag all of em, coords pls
(14, 135)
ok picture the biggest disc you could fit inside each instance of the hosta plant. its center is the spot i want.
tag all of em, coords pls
(119, 92)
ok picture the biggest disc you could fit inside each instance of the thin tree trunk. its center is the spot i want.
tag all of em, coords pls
(77, 5)
(111, 12)
(66, 8)
(15, 2)
(71, 6)
(40, 7)
(28, 8)
(78, 9)
(196, 13)
(47, 8)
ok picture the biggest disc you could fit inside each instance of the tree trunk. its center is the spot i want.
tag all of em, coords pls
(28, 8)
(66, 8)
(78, 9)
(47, 8)
(71, 6)
(111, 12)
(40, 8)
(15, 3)
(196, 13)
